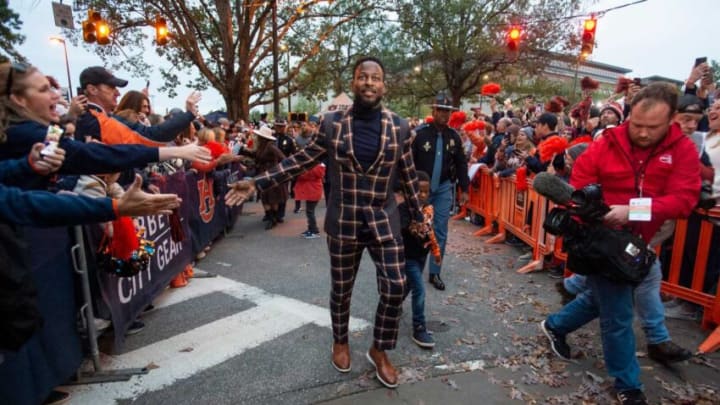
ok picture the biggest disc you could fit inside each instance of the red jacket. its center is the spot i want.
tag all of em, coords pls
(672, 174)
(309, 185)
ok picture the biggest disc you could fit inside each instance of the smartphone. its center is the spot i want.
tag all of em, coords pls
(79, 91)
(700, 60)
(147, 84)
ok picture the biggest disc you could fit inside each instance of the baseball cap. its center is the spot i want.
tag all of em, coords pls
(689, 103)
(99, 75)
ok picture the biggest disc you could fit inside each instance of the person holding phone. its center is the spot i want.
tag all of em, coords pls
(700, 83)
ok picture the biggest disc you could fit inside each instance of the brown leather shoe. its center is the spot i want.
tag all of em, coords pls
(384, 370)
(341, 357)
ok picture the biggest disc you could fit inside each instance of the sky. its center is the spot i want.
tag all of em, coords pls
(655, 37)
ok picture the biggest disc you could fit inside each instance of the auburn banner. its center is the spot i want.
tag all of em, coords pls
(204, 216)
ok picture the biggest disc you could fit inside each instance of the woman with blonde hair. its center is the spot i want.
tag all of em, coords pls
(28, 109)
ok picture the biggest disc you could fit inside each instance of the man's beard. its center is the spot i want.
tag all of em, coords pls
(365, 104)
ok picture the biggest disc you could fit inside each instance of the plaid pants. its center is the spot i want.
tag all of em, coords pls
(389, 261)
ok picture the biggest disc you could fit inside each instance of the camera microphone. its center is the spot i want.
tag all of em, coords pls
(553, 188)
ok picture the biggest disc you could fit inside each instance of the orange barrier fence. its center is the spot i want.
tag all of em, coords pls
(694, 293)
(522, 213)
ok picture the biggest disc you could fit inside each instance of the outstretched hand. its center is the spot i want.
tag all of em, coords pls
(137, 202)
(239, 192)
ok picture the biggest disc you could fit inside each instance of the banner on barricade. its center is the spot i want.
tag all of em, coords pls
(206, 196)
(128, 296)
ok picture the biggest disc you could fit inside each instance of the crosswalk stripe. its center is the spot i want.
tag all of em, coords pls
(212, 343)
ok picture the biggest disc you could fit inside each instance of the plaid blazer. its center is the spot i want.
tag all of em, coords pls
(357, 196)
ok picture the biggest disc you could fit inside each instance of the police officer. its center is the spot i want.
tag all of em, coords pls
(438, 150)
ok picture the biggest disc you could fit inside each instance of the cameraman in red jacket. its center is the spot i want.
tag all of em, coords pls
(649, 173)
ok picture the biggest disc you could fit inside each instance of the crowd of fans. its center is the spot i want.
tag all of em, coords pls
(550, 136)
(107, 152)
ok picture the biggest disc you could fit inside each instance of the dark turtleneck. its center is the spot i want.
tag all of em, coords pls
(366, 129)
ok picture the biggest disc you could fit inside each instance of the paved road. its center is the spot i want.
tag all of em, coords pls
(260, 333)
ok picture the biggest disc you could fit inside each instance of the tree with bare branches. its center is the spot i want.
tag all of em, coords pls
(227, 45)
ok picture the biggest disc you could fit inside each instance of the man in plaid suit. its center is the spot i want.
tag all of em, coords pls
(367, 148)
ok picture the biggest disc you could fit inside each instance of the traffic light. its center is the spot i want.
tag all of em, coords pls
(89, 26)
(95, 29)
(102, 32)
(588, 36)
(161, 31)
(513, 38)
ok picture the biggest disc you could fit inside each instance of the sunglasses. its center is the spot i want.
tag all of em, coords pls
(20, 68)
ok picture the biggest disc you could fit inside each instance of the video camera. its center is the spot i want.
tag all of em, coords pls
(586, 204)
(577, 209)
(592, 247)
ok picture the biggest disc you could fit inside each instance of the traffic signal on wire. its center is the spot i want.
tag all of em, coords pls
(102, 32)
(588, 36)
(96, 29)
(161, 31)
(88, 26)
(513, 38)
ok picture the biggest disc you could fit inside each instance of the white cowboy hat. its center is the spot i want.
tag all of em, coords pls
(265, 132)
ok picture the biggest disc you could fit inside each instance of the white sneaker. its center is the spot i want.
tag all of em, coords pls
(101, 324)
(526, 257)
(685, 311)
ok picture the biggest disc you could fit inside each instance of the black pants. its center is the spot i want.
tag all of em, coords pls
(310, 215)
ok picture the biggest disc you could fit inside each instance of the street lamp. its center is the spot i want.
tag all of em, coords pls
(286, 49)
(276, 91)
(67, 63)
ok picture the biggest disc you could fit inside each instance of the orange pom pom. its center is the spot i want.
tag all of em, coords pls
(521, 183)
(552, 146)
(124, 240)
(622, 85)
(457, 119)
(474, 125)
(216, 149)
(588, 83)
(490, 89)
(581, 139)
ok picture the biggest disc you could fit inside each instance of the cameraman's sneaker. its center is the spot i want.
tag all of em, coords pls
(557, 342)
(422, 337)
(310, 235)
(632, 397)
(668, 352)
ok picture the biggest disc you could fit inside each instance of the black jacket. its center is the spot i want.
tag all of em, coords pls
(19, 313)
(454, 163)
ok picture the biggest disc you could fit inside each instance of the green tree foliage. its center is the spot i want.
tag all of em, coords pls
(450, 45)
(330, 73)
(225, 44)
(10, 37)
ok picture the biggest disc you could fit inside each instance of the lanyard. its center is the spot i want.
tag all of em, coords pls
(639, 172)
